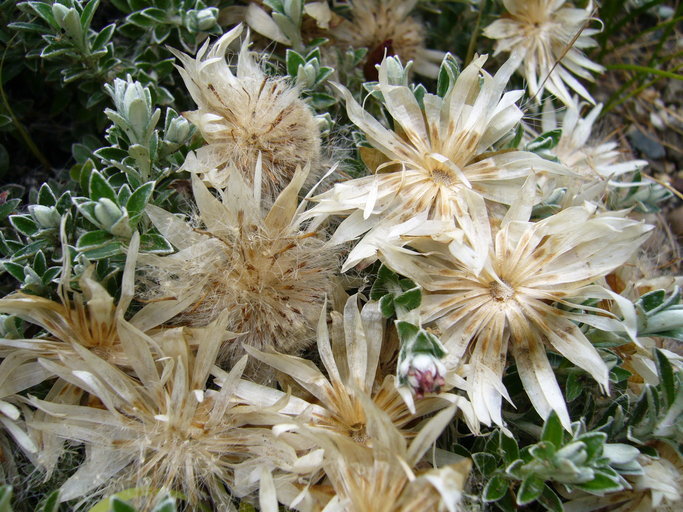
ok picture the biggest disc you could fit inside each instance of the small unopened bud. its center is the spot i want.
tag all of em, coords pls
(112, 218)
(178, 130)
(46, 216)
(202, 20)
(59, 12)
(424, 373)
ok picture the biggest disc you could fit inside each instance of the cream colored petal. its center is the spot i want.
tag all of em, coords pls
(537, 376)
(262, 23)
(301, 370)
(172, 228)
(136, 346)
(428, 435)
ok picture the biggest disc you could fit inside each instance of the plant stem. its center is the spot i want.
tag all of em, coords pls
(15, 121)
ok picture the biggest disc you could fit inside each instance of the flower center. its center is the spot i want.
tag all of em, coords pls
(442, 177)
(501, 291)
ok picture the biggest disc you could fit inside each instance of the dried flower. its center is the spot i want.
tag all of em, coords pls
(546, 38)
(243, 115)
(385, 26)
(515, 290)
(159, 427)
(437, 153)
(86, 318)
(351, 357)
(576, 148)
(18, 372)
(266, 271)
(382, 476)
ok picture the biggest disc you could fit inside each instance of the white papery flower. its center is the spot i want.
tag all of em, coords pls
(350, 355)
(434, 154)
(519, 289)
(547, 37)
(577, 147)
(388, 473)
(243, 113)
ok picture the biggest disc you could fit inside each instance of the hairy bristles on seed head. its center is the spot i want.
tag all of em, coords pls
(160, 426)
(244, 114)
(386, 26)
(266, 271)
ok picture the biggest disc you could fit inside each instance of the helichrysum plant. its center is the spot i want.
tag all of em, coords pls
(375, 255)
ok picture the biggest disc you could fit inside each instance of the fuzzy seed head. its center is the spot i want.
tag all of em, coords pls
(269, 276)
(245, 113)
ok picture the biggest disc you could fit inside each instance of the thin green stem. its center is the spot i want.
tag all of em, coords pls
(646, 70)
(15, 121)
(475, 34)
(614, 102)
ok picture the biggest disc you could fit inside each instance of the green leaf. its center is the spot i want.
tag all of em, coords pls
(39, 263)
(294, 60)
(386, 305)
(24, 224)
(406, 331)
(6, 498)
(99, 187)
(531, 489)
(382, 283)
(552, 430)
(508, 448)
(550, 500)
(605, 480)
(448, 73)
(544, 450)
(321, 100)
(573, 388)
(29, 250)
(155, 244)
(111, 154)
(410, 299)
(103, 37)
(594, 442)
(138, 200)
(51, 503)
(545, 141)
(106, 251)
(515, 469)
(94, 240)
(14, 269)
(158, 15)
(507, 503)
(495, 489)
(8, 207)
(118, 505)
(45, 196)
(666, 377)
(618, 374)
(166, 505)
(652, 300)
(485, 462)
(88, 13)
(50, 274)
(44, 10)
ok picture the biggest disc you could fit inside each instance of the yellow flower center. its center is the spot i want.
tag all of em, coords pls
(501, 291)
